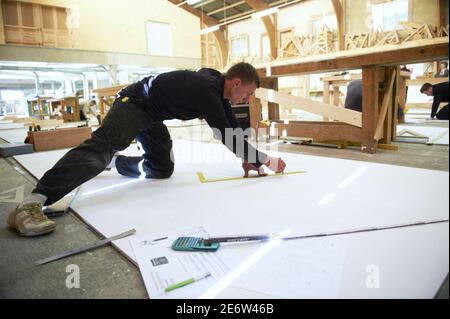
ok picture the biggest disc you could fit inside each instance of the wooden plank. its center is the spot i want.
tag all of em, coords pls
(346, 78)
(60, 138)
(315, 107)
(273, 108)
(387, 99)
(408, 53)
(318, 131)
(110, 90)
(255, 115)
(336, 93)
(392, 122)
(423, 105)
(370, 108)
(422, 81)
(326, 96)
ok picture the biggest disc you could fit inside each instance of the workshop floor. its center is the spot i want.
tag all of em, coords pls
(104, 273)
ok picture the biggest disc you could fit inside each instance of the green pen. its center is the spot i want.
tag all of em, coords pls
(186, 282)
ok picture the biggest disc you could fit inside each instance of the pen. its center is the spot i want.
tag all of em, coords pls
(186, 282)
(231, 239)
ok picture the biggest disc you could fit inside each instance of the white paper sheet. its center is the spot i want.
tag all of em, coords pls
(161, 266)
(310, 268)
(307, 268)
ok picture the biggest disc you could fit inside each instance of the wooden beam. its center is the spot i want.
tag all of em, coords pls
(408, 53)
(370, 108)
(315, 107)
(271, 30)
(339, 12)
(273, 108)
(387, 100)
(318, 131)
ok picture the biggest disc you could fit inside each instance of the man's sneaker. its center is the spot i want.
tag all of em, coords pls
(29, 220)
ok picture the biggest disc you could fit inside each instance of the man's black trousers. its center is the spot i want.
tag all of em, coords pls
(443, 113)
(123, 123)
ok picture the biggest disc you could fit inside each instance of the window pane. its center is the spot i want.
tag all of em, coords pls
(389, 14)
(377, 16)
(159, 38)
(61, 16)
(11, 14)
(27, 15)
(47, 17)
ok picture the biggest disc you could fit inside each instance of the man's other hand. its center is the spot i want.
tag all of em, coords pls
(275, 164)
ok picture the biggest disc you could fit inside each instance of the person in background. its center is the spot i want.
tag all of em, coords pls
(439, 92)
(88, 108)
(443, 70)
(353, 99)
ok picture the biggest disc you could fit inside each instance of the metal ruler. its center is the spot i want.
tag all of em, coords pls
(84, 248)
(202, 178)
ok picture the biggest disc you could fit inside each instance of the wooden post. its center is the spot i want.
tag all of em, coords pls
(326, 96)
(336, 95)
(400, 101)
(369, 108)
(255, 115)
(389, 105)
(273, 109)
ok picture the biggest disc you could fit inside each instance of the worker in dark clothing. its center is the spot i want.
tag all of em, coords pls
(139, 112)
(443, 70)
(439, 92)
(353, 99)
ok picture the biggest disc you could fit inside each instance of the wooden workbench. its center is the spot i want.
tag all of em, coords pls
(380, 75)
(105, 95)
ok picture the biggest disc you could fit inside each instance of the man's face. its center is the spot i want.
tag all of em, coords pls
(428, 92)
(240, 92)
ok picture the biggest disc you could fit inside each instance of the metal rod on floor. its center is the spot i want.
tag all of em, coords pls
(84, 248)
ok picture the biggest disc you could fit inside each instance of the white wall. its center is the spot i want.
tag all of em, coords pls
(120, 26)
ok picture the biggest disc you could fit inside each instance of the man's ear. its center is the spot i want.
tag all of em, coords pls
(236, 82)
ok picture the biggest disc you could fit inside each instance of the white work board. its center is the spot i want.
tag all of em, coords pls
(333, 194)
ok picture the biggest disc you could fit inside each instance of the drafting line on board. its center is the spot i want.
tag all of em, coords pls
(267, 237)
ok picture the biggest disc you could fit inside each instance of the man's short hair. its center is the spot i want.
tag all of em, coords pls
(245, 72)
(445, 63)
(425, 87)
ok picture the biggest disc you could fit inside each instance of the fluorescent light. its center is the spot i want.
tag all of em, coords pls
(192, 2)
(210, 29)
(264, 13)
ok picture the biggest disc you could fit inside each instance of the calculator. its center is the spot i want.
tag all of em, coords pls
(193, 244)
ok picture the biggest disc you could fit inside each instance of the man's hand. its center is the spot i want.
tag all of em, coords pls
(251, 167)
(275, 164)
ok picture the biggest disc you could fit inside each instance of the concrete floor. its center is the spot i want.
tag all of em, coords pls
(104, 272)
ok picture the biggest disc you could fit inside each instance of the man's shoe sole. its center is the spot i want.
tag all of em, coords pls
(33, 234)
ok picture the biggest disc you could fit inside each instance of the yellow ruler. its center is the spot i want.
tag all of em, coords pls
(202, 178)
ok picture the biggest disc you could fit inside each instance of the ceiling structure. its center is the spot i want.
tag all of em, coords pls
(214, 13)
(226, 10)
